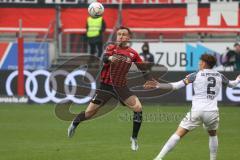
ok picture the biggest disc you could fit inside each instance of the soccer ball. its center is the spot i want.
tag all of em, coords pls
(95, 9)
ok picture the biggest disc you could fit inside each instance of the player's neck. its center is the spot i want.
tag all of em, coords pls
(206, 69)
(123, 46)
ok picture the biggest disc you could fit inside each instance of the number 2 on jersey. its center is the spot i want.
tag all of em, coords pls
(211, 84)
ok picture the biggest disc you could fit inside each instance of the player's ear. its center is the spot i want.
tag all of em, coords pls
(129, 36)
(205, 64)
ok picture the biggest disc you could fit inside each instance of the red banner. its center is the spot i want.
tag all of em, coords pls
(34, 19)
(179, 20)
(217, 17)
(74, 20)
(139, 1)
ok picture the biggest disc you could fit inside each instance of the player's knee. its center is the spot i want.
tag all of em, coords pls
(97, 102)
(137, 108)
(212, 133)
(181, 132)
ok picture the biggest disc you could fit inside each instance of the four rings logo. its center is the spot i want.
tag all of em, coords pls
(70, 86)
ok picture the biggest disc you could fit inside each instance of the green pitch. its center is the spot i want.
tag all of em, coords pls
(32, 132)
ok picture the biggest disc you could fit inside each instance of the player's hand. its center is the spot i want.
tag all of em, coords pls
(118, 57)
(112, 58)
(151, 84)
(238, 78)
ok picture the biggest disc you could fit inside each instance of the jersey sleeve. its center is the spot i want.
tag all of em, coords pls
(190, 78)
(225, 80)
(136, 58)
(229, 83)
(109, 50)
(145, 68)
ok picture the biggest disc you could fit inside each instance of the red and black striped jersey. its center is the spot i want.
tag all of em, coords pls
(115, 73)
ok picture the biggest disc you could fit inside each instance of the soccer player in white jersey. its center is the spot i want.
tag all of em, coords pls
(206, 84)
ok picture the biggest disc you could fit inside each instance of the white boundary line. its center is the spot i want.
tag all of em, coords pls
(6, 29)
(16, 29)
(188, 29)
(165, 29)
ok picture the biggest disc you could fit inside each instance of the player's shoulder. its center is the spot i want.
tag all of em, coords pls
(132, 50)
(190, 78)
(193, 74)
(111, 47)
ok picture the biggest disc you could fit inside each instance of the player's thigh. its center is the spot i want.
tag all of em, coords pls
(133, 103)
(191, 120)
(128, 98)
(103, 95)
(100, 99)
(211, 120)
(123, 93)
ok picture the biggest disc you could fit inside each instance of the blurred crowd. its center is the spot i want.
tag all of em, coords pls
(233, 57)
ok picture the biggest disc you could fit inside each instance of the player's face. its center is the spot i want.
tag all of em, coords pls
(122, 36)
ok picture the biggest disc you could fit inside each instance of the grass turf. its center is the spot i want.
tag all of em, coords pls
(32, 132)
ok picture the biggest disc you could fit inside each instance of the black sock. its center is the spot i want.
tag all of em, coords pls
(80, 117)
(137, 121)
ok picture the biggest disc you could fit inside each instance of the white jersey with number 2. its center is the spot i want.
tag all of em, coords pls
(207, 85)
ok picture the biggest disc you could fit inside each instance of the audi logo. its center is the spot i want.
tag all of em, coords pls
(31, 86)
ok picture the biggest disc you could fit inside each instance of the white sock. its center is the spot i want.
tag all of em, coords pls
(171, 143)
(213, 146)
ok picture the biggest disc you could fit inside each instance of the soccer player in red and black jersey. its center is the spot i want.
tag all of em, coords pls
(117, 59)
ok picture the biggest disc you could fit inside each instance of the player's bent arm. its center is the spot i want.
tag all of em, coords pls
(231, 84)
(106, 58)
(234, 83)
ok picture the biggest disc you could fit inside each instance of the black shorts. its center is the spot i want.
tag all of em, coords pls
(105, 92)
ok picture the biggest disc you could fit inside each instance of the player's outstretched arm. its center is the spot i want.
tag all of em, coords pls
(234, 83)
(187, 80)
(164, 86)
(178, 85)
(171, 86)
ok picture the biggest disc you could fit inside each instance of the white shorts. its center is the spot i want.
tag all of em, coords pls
(193, 119)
